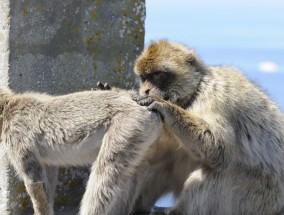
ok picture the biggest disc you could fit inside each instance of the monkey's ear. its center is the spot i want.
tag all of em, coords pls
(193, 60)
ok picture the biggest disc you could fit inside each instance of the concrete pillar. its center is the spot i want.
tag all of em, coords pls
(62, 46)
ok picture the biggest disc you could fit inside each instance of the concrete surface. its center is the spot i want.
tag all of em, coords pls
(63, 46)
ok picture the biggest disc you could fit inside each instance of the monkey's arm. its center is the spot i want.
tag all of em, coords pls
(205, 139)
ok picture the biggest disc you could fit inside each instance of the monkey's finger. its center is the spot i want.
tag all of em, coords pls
(157, 107)
(145, 101)
(136, 97)
(160, 210)
(142, 99)
(107, 86)
(174, 212)
(100, 85)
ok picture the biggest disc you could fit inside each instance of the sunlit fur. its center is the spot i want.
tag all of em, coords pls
(105, 129)
(175, 59)
(227, 124)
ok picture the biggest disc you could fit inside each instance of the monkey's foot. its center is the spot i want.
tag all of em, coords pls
(160, 211)
(174, 212)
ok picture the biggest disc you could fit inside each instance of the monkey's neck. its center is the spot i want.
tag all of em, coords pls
(188, 101)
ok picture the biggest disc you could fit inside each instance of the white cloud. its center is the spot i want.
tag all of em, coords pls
(268, 67)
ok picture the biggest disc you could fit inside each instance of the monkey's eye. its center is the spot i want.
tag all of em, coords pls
(143, 78)
(161, 78)
(156, 76)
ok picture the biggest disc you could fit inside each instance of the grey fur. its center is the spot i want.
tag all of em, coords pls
(103, 128)
(225, 123)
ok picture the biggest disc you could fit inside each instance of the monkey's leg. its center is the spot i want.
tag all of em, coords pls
(111, 185)
(190, 200)
(176, 212)
(203, 194)
(132, 195)
(234, 191)
(101, 196)
(35, 181)
(52, 176)
(155, 183)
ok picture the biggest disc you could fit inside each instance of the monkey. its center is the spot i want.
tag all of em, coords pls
(104, 129)
(153, 182)
(224, 122)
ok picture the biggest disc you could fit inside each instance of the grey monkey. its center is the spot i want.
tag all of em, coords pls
(105, 129)
(221, 120)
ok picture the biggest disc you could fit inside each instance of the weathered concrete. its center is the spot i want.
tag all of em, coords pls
(63, 46)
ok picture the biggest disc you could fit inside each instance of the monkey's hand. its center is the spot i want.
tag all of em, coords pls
(102, 86)
(155, 104)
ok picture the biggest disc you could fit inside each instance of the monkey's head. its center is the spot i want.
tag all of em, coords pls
(5, 95)
(170, 71)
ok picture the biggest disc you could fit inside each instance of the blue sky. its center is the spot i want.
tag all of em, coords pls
(247, 34)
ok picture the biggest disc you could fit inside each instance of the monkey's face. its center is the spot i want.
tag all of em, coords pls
(168, 70)
(158, 83)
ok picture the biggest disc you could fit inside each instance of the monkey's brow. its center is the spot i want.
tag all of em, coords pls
(145, 76)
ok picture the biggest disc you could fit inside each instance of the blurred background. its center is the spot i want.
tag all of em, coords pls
(245, 34)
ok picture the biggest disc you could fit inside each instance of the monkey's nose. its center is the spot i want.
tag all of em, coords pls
(147, 92)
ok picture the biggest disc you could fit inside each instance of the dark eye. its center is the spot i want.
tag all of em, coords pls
(143, 78)
(161, 78)
(156, 76)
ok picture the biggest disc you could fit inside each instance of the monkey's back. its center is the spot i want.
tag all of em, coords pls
(67, 127)
(254, 135)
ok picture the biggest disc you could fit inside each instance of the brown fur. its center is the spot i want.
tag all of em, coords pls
(222, 121)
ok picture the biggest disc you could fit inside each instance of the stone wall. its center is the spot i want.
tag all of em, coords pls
(62, 46)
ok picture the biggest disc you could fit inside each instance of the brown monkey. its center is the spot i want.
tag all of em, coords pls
(225, 123)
